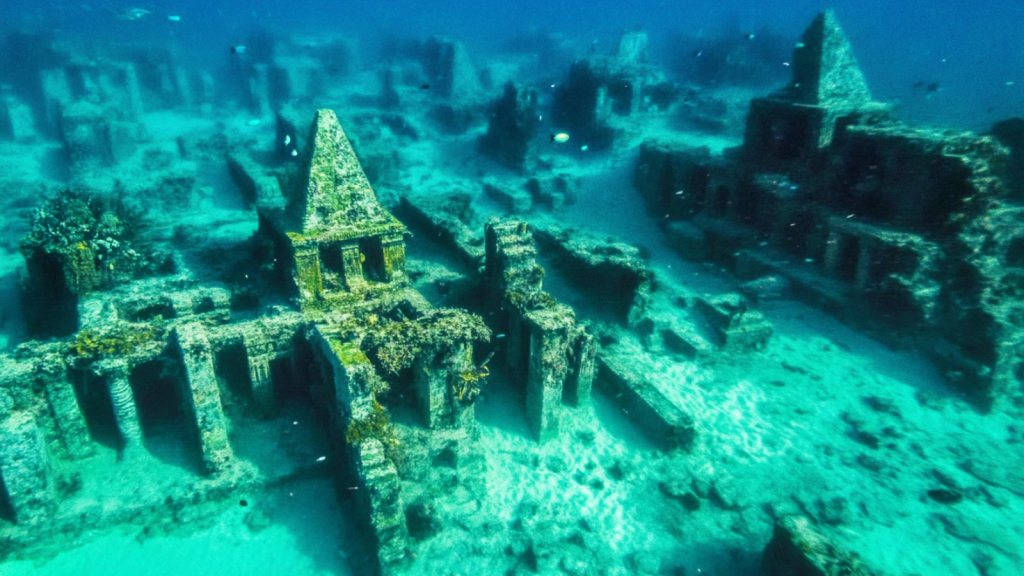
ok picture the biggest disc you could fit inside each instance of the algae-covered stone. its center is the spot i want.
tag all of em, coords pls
(825, 71)
(797, 549)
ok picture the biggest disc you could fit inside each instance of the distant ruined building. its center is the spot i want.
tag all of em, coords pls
(903, 231)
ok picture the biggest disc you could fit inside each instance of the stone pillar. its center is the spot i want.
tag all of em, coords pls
(862, 276)
(25, 468)
(259, 89)
(56, 93)
(430, 378)
(60, 397)
(134, 93)
(548, 367)
(184, 89)
(352, 260)
(260, 378)
(115, 373)
(394, 256)
(579, 383)
(202, 395)
(308, 278)
(459, 361)
(437, 377)
(833, 253)
(380, 495)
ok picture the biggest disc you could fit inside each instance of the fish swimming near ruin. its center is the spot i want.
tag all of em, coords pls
(129, 14)
(561, 137)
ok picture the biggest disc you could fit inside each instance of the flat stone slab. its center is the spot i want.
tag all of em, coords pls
(660, 419)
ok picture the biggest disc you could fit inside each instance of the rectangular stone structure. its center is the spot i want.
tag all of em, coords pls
(378, 493)
(579, 382)
(203, 396)
(25, 469)
(60, 398)
(662, 421)
(549, 348)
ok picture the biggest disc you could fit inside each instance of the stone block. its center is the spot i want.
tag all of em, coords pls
(739, 327)
(511, 200)
(666, 424)
(25, 470)
(203, 396)
(511, 126)
(797, 549)
(548, 367)
(688, 240)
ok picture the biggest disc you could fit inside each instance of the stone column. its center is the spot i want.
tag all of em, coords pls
(115, 373)
(25, 468)
(202, 395)
(308, 278)
(580, 381)
(394, 256)
(862, 276)
(548, 367)
(430, 378)
(259, 89)
(260, 378)
(352, 260)
(60, 396)
(833, 253)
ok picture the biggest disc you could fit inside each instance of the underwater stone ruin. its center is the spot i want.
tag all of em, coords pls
(589, 404)
(890, 227)
(341, 255)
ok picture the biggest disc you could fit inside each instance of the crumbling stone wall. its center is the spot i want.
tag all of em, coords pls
(546, 351)
(892, 228)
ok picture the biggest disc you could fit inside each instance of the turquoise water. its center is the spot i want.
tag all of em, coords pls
(646, 288)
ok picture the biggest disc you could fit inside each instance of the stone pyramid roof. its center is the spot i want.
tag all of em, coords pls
(337, 199)
(825, 72)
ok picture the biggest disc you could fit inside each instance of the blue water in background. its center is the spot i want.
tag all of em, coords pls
(972, 49)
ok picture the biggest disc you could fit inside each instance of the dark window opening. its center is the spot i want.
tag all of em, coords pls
(205, 305)
(371, 252)
(6, 508)
(159, 387)
(1015, 253)
(721, 202)
(232, 368)
(332, 267)
(621, 94)
(849, 254)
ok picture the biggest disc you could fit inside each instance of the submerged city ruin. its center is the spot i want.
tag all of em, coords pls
(488, 384)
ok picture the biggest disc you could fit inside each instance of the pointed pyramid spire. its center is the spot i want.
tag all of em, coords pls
(825, 72)
(337, 197)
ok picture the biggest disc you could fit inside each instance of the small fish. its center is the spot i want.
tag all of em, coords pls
(129, 14)
(287, 139)
(561, 137)
(697, 53)
(321, 459)
(933, 87)
(174, 18)
(584, 148)
(424, 86)
(918, 84)
(254, 122)
(295, 153)
(800, 44)
(750, 36)
(240, 49)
